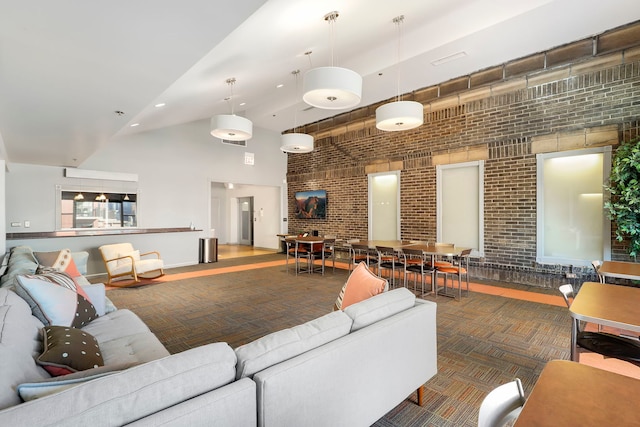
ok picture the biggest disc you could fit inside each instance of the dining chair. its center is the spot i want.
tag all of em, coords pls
(291, 251)
(440, 261)
(329, 250)
(413, 259)
(415, 262)
(596, 266)
(459, 267)
(362, 252)
(389, 260)
(502, 405)
(356, 256)
(302, 252)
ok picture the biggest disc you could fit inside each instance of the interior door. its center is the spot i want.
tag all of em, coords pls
(245, 221)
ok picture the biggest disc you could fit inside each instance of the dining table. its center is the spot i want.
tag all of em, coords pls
(313, 244)
(605, 304)
(572, 394)
(620, 269)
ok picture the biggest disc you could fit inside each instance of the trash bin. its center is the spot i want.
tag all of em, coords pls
(208, 250)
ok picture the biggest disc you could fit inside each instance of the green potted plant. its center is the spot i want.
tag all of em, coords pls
(623, 206)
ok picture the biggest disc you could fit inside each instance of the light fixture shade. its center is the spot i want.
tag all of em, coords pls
(399, 115)
(297, 143)
(78, 196)
(231, 127)
(332, 88)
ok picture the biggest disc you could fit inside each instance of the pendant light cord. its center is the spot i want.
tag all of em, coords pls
(331, 18)
(295, 110)
(231, 82)
(398, 20)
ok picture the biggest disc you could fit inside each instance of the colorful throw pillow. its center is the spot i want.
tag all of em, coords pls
(361, 284)
(56, 299)
(68, 350)
(58, 261)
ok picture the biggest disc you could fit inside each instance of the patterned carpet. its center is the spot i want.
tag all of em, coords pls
(483, 340)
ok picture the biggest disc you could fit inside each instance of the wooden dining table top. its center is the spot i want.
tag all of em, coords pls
(572, 394)
(621, 269)
(608, 305)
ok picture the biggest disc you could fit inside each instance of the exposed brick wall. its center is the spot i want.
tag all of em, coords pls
(577, 104)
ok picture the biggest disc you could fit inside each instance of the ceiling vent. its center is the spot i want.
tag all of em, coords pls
(237, 143)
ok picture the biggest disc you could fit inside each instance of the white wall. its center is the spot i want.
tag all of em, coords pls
(3, 227)
(266, 214)
(175, 167)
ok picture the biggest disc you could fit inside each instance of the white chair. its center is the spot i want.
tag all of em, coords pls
(502, 405)
(121, 260)
(596, 266)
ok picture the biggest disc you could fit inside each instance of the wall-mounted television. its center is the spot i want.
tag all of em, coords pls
(311, 204)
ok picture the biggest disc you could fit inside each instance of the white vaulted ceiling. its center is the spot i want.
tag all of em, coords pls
(66, 66)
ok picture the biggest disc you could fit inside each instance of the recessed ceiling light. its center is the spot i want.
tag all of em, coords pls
(279, 86)
(243, 103)
(162, 104)
(135, 124)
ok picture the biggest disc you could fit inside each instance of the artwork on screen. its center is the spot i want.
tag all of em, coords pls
(311, 204)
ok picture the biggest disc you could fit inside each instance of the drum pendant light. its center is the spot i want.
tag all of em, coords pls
(399, 115)
(230, 126)
(296, 142)
(332, 88)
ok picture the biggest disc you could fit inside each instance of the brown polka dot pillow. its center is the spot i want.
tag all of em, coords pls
(68, 350)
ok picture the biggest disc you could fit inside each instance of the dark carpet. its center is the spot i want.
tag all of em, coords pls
(483, 340)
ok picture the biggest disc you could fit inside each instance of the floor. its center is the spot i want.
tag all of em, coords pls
(527, 293)
(237, 251)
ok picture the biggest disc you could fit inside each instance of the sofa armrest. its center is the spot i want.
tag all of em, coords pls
(97, 295)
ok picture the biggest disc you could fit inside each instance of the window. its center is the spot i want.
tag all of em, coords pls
(460, 205)
(572, 228)
(97, 210)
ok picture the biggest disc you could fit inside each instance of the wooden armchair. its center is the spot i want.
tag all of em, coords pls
(121, 260)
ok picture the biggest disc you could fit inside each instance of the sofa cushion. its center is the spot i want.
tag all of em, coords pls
(56, 299)
(361, 284)
(20, 344)
(380, 307)
(282, 345)
(21, 261)
(124, 338)
(31, 391)
(68, 350)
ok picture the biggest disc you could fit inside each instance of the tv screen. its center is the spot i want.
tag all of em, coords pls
(311, 204)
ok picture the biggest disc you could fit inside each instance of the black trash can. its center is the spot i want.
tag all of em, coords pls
(208, 251)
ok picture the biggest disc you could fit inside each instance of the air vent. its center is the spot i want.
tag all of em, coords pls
(238, 143)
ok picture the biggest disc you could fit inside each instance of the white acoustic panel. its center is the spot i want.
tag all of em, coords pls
(91, 174)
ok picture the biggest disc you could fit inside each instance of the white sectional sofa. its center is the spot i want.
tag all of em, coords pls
(345, 368)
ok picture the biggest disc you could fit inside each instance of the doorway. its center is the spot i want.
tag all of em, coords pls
(245, 221)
